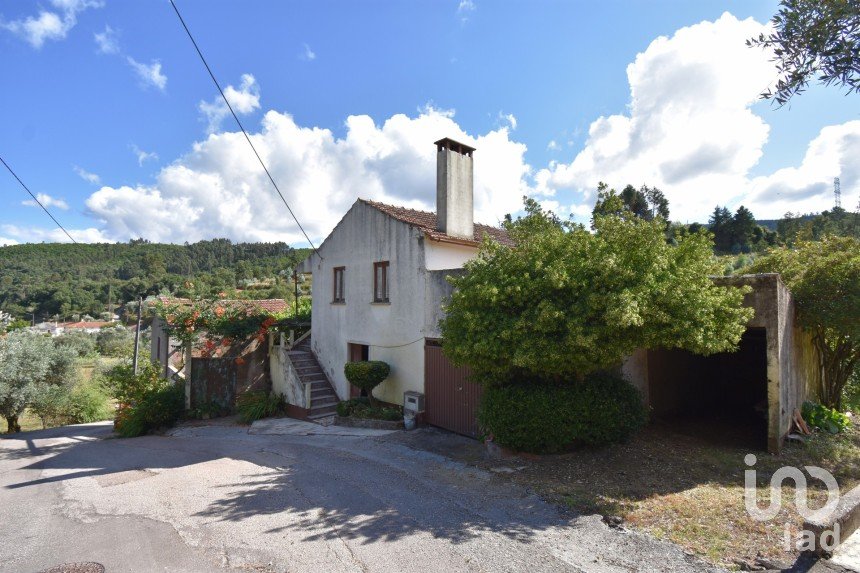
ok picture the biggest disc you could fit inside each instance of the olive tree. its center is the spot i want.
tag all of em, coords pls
(566, 302)
(30, 364)
(813, 39)
(824, 277)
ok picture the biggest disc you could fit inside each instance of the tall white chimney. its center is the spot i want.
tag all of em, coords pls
(454, 181)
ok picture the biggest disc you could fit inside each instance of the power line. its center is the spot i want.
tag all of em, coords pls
(27, 189)
(239, 123)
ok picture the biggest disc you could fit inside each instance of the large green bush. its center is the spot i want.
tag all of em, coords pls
(366, 375)
(126, 387)
(115, 341)
(158, 407)
(546, 417)
(567, 301)
(146, 400)
(87, 402)
(82, 343)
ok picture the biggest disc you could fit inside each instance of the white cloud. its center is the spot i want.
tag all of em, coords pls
(244, 100)
(47, 201)
(107, 42)
(689, 129)
(86, 175)
(4, 242)
(508, 118)
(219, 188)
(142, 156)
(307, 54)
(56, 235)
(553, 145)
(835, 152)
(149, 74)
(464, 8)
(52, 24)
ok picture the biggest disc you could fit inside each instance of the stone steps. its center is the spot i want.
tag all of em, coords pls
(323, 397)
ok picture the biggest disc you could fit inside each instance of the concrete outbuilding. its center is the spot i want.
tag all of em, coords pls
(753, 391)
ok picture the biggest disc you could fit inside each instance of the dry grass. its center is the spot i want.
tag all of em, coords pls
(27, 421)
(88, 368)
(689, 491)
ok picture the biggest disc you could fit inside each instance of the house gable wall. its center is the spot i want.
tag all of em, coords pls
(393, 331)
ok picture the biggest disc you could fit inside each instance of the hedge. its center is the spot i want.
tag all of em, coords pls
(546, 417)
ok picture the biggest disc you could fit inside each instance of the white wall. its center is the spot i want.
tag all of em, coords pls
(393, 331)
(442, 256)
(159, 344)
(285, 379)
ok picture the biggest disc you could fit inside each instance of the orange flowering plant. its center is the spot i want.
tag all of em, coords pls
(217, 322)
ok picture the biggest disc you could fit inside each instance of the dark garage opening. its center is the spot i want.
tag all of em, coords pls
(720, 398)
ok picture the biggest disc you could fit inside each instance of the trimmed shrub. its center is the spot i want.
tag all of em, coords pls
(547, 418)
(257, 405)
(366, 375)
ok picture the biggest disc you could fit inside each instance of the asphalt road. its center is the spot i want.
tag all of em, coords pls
(217, 497)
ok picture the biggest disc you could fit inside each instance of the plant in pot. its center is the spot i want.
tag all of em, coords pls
(367, 375)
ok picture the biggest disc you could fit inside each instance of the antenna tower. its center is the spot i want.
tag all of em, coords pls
(837, 193)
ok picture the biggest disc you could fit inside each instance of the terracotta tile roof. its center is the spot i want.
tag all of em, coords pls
(96, 324)
(272, 305)
(426, 221)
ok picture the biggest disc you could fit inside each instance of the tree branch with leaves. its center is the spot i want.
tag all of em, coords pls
(813, 40)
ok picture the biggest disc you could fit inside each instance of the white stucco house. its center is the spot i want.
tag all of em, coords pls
(379, 278)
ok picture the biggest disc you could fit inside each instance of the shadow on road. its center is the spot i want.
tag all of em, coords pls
(328, 488)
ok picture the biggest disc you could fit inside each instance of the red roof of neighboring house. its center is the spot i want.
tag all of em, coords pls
(94, 324)
(426, 221)
(272, 305)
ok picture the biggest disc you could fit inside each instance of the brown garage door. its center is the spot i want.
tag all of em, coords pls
(451, 399)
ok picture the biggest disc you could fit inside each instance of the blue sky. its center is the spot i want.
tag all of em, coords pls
(104, 110)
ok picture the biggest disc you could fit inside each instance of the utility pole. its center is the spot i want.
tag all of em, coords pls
(110, 293)
(296, 284)
(137, 334)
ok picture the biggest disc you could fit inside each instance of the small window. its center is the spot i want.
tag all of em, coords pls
(380, 282)
(339, 295)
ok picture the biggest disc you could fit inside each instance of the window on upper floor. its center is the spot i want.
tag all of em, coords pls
(380, 282)
(339, 294)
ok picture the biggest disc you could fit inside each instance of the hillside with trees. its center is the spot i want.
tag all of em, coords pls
(71, 280)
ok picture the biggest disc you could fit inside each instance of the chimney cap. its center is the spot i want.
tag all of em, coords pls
(448, 143)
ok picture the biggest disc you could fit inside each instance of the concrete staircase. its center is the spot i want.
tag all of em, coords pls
(323, 397)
